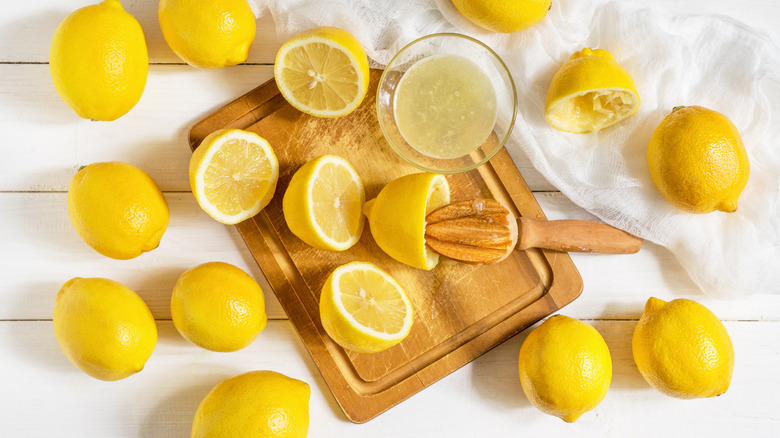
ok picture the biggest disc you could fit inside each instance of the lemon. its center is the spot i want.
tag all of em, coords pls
(218, 306)
(257, 404)
(103, 327)
(322, 72)
(99, 62)
(208, 33)
(590, 92)
(323, 204)
(117, 209)
(698, 161)
(682, 349)
(565, 367)
(503, 15)
(397, 217)
(233, 174)
(364, 309)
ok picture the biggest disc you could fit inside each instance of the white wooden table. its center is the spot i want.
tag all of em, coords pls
(42, 394)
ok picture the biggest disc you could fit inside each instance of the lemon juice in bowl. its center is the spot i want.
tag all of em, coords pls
(446, 103)
(445, 106)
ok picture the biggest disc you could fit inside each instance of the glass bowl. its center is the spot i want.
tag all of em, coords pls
(447, 44)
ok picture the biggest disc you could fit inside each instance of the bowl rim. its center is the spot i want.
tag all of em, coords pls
(502, 140)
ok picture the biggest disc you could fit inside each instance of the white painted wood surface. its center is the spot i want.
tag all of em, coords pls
(43, 395)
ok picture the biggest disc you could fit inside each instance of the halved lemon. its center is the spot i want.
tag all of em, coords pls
(590, 92)
(322, 72)
(323, 204)
(364, 309)
(233, 174)
(397, 217)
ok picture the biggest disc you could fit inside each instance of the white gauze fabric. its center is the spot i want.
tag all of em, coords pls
(711, 61)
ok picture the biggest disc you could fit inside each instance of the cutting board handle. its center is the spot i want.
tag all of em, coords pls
(576, 236)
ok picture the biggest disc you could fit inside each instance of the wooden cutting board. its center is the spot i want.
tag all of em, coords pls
(461, 311)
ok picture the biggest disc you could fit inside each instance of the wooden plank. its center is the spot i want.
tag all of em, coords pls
(483, 397)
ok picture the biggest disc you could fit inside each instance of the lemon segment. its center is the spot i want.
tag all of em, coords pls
(233, 174)
(364, 309)
(322, 72)
(323, 203)
(397, 217)
(590, 92)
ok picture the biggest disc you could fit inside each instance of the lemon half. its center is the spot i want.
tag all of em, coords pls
(233, 174)
(590, 92)
(322, 72)
(364, 309)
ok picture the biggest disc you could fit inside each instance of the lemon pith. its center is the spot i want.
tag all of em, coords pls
(323, 204)
(397, 217)
(99, 61)
(233, 174)
(103, 327)
(322, 72)
(590, 92)
(364, 309)
(698, 161)
(682, 349)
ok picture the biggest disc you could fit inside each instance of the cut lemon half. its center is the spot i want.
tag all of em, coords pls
(364, 309)
(322, 72)
(323, 204)
(397, 217)
(233, 174)
(590, 92)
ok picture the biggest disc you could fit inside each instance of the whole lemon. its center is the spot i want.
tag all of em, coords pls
(698, 161)
(98, 61)
(218, 306)
(208, 33)
(682, 349)
(117, 209)
(103, 327)
(397, 216)
(503, 15)
(257, 404)
(565, 367)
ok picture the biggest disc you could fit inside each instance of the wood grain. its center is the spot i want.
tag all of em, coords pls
(462, 310)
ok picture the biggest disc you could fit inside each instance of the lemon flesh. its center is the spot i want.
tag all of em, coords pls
(254, 404)
(322, 72)
(364, 309)
(208, 33)
(590, 92)
(218, 306)
(117, 209)
(233, 174)
(397, 217)
(565, 367)
(682, 349)
(323, 204)
(103, 327)
(99, 62)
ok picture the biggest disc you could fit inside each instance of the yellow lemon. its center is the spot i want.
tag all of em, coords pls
(503, 15)
(98, 61)
(323, 204)
(397, 217)
(322, 72)
(208, 33)
(256, 404)
(698, 161)
(590, 92)
(682, 349)
(218, 306)
(103, 327)
(364, 309)
(117, 209)
(233, 174)
(565, 367)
